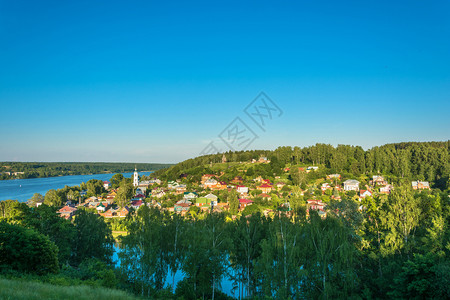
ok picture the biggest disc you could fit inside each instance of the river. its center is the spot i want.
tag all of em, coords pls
(226, 284)
(23, 189)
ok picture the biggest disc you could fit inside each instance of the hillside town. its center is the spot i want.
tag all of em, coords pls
(242, 195)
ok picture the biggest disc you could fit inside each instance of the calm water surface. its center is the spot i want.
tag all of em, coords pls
(23, 189)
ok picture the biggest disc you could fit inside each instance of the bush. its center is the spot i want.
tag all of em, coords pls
(25, 250)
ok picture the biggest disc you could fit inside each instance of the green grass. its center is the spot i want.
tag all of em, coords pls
(25, 290)
(116, 234)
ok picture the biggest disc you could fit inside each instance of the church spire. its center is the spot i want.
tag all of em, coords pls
(135, 177)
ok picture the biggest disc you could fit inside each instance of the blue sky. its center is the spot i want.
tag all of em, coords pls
(156, 81)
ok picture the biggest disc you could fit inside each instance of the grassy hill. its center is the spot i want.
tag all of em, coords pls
(23, 290)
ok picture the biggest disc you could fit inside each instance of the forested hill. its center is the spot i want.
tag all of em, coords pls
(12, 170)
(413, 160)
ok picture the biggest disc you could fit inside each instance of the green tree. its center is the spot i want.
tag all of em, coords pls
(401, 217)
(116, 180)
(279, 268)
(420, 278)
(175, 232)
(25, 250)
(93, 238)
(95, 187)
(12, 210)
(124, 194)
(52, 198)
(331, 259)
(205, 261)
(233, 201)
(247, 235)
(60, 231)
(298, 176)
(36, 198)
(143, 256)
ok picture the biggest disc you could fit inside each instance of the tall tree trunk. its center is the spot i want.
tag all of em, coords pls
(214, 286)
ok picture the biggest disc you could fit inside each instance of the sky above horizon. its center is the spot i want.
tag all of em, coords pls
(158, 81)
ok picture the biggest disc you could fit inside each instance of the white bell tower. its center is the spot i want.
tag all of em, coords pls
(135, 178)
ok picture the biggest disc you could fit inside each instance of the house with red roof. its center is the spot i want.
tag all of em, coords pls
(110, 213)
(221, 185)
(280, 185)
(136, 204)
(318, 205)
(265, 188)
(101, 207)
(67, 212)
(106, 184)
(181, 207)
(365, 193)
(138, 197)
(243, 203)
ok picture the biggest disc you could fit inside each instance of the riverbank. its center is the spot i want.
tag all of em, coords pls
(23, 189)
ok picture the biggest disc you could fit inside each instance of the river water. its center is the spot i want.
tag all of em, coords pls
(226, 284)
(23, 189)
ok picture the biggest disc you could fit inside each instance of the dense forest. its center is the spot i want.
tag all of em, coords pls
(22, 170)
(415, 160)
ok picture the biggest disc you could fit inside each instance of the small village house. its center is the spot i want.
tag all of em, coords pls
(242, 189)
(420, 185)
(243, 203)
(106, 184)
(265, 188)
(67, 212)
(351, 185)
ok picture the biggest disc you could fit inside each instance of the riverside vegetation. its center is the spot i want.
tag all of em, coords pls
(393, 245)
(23, 170)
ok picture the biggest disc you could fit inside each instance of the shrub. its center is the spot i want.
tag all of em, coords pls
(25, 250)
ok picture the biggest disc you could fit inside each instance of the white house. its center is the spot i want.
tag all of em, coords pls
(101, 208)
(210, 183)
(386, 189)
(213, 199)
(365, 193)
(311, 168)
(189, 195)
(351, 185)
(242, 189)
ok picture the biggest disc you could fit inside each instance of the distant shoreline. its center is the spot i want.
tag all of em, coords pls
(27, 170)
(77, 174)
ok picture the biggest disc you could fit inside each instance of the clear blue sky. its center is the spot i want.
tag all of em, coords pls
(155, 81)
